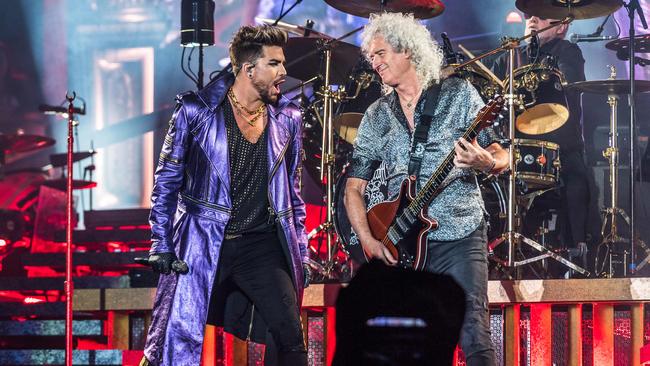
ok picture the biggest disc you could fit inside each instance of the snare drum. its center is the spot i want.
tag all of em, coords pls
(538, 163)
(545, 106)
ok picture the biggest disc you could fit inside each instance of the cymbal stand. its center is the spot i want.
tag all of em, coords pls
(633, 7)
(328, 159)
(611, 213)
(512, 236)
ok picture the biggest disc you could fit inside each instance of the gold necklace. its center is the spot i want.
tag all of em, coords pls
(256, 114)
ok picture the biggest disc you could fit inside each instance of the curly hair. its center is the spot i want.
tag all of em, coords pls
(249, 41)
(404, 33)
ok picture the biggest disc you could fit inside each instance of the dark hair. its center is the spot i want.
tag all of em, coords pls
(248, 42)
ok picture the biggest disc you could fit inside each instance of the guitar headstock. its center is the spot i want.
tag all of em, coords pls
(490, 112)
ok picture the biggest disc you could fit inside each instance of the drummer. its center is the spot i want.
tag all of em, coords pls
(574, 174)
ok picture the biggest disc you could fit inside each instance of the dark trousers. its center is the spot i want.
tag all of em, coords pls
(575, 197)
(255, 264)
(466, 261)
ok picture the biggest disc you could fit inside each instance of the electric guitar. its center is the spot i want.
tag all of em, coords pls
(402, 224)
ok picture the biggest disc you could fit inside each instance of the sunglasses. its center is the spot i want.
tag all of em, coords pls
(528, 16)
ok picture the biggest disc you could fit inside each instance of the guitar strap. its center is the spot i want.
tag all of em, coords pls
(421, 133)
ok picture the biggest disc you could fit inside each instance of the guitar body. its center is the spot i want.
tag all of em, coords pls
(410, 246)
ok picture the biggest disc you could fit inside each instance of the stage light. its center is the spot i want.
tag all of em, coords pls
(514, 17)
(197, 23)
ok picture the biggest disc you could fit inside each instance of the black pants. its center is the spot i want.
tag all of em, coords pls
(575, 197)
(256, 265)
(466, 261)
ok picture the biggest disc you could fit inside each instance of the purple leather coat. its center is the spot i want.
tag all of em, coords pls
(191, 206)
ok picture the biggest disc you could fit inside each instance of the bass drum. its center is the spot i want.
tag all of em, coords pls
(495, 198)
(492, 191)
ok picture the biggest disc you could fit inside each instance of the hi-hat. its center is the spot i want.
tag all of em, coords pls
(421, 9)
(641, 44)
(560, 9)
(297, 30)
(14, 143)
(303, 63)
(616, 87)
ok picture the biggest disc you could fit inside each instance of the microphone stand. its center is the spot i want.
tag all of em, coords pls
(632, 7)
(286, 12)
(69, 286)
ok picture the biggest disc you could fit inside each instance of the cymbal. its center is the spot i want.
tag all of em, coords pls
(554, 9)
(347, 124)
(641, 44)
(421, 9)
(14, 143)
(618, 87)
(61, 159)
(61, 184)
(298, 30)
(303, 65)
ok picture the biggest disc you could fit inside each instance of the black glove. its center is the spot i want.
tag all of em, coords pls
(306, 270)
(162, 262)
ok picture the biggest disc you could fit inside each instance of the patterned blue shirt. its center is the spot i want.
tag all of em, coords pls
(384, 137)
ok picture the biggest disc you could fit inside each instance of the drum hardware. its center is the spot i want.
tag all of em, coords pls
(512, 236)
(347, 123)
(613, 88)
(59, 160)
(297, 30)
(543, 106)
(641, 44)
(633, 7)
(61, 184)
(483, 68)
(303, 54)
(11, 144)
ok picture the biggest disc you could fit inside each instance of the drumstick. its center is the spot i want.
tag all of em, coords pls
(482, 66)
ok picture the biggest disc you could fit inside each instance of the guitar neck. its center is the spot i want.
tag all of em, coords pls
(428, 191)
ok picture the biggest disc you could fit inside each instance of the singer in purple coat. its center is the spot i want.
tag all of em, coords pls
(226, 201)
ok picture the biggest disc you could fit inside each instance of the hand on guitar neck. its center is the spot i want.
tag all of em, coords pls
(472, 155)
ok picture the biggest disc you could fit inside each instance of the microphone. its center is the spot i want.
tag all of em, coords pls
(575, 38)
(623, 55)
(56, 109)
(178, 265)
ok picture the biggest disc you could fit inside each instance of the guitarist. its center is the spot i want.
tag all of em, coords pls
(409, 62)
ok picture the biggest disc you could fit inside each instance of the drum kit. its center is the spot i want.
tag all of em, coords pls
(19, 189)
(537, 105)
